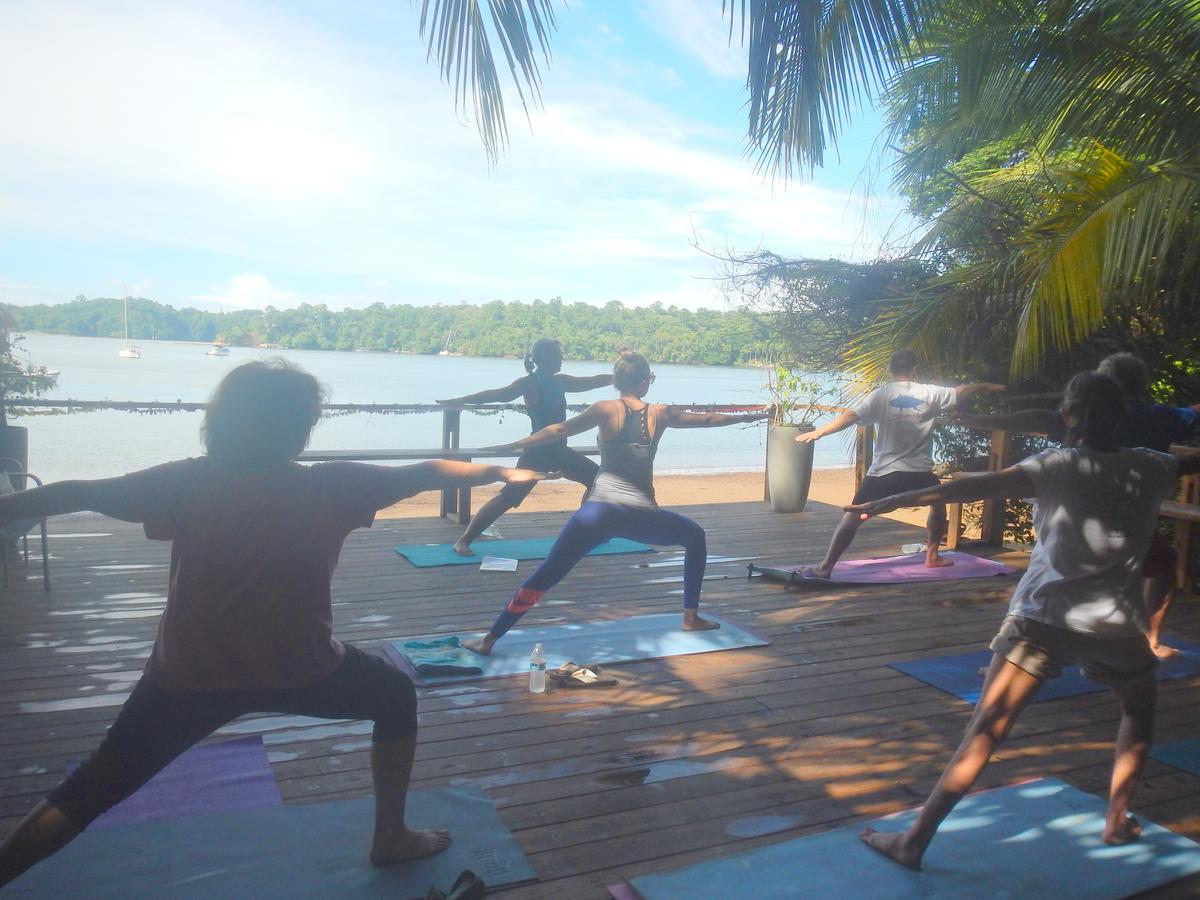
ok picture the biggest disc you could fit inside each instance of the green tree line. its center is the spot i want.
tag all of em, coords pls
(664, 334)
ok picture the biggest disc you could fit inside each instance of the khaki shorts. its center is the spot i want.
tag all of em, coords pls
(1042, 651)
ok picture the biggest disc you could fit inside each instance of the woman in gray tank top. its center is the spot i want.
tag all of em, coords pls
(621, 503)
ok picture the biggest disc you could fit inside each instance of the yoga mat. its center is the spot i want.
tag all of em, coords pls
(891, 570)
(316, 850)
(959, 674)
(1037, 839)
(429, 555)
(1183, 754)
(611, 641)
(207, 778)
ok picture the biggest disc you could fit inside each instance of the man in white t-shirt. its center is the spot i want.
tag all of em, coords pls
(903, 412)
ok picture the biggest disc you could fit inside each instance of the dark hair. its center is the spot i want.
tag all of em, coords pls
(629, 371)
(1129, 372)
(261, 414)
(540, 346)
(1097, 404)
(903, 362)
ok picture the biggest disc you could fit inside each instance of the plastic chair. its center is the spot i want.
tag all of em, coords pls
(10, 470)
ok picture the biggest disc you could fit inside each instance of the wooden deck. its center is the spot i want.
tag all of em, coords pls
(669, 768)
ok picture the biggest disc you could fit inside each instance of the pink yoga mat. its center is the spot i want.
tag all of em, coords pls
(894, 570)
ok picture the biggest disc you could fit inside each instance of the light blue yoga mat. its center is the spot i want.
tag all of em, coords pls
(1038, 839)
(316, 850)
(1183, 754)
(959, 674)
(615, 640)
(430, 555)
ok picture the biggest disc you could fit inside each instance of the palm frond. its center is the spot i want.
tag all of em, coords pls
(456, 34)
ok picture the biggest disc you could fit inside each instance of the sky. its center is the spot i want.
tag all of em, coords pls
(243, 154)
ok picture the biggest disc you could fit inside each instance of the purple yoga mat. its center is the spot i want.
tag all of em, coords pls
(208, 778)
(896, 570)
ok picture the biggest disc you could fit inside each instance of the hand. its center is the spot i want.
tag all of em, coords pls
(807, 437)
(992, 388)
(871, 508)
(524, 476)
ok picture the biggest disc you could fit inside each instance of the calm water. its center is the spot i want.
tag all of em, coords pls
(96, 445)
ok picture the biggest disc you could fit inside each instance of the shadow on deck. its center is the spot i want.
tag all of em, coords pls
(690, 758)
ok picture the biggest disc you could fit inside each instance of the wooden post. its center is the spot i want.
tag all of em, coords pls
(1185, 537)
(451, 506)
(864, 452)
(992, 526)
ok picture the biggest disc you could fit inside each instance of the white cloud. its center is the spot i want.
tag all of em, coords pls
(700, 30)
(250, 290)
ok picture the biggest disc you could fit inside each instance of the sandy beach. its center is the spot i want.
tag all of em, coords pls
(834, 486)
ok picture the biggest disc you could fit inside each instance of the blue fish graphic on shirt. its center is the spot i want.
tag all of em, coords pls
(905, 402)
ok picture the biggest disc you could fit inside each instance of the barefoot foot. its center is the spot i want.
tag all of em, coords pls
(1126, 831)
(461, 548)
(894, 845)
(481, 645)
(693, 622)
(393, 847)
(815, 572)
(938, 562)
(1162, 651)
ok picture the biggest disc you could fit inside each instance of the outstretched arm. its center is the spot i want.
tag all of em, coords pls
(840, 423)
(590, 418)
(574, 384)
(108, 496)
(1010, 482)
(496, 395)
(681, 418)
(963, 391)
(1029, 421)
(437, 474)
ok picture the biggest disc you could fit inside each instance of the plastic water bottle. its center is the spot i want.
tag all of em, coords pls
(912, 548)
(537, 670)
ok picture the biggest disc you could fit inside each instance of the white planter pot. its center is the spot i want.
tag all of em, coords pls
(789, 468)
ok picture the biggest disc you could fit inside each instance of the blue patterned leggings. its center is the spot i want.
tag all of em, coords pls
(593, 524)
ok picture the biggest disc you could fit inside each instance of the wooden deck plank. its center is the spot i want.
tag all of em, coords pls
(596, 786)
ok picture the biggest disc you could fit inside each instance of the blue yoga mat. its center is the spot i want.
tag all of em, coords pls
(1038, 839)
(959, 675)
(426, 556)
(1183, 754)
(316, 850)
(615, 640)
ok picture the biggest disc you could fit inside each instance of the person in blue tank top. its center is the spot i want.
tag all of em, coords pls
(544, 388)
(622, 502)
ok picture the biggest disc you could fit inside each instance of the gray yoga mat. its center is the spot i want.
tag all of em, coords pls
(1037, 839)
(611, 641)
(316, 850)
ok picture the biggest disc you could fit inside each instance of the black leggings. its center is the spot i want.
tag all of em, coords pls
(155, 726)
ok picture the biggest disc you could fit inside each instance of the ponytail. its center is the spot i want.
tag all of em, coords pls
(1096, 404)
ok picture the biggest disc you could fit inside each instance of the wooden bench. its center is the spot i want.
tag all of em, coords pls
(456, 502)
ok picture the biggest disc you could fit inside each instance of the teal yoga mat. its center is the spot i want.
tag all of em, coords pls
(1037, 839)
(1183, 754)
(426, 556)
(611, 641)
(316, 850)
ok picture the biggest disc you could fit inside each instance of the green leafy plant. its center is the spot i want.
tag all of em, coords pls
(17, 377)
(796, 396)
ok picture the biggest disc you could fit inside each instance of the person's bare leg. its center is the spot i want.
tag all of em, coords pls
(1136, 732)
(481, 645)
(488, 513)
(843, 537)
(40, 834)
(1005, 693)
(1157, 591)
(935, 533)
(391, 768)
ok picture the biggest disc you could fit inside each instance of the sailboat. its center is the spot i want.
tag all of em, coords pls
(445, 351)
(128, 351)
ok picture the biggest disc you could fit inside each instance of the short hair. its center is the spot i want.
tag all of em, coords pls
(537, 353)
(262, 414)
(630, 370)
(1097, 403)
(903, 362)
(1129, 372)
